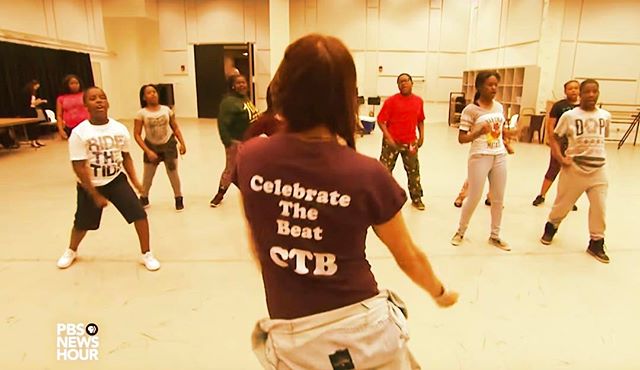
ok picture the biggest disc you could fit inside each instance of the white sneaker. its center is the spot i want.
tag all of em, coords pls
(67, 259)
(150, 262)
(499, 243)
(457, 239)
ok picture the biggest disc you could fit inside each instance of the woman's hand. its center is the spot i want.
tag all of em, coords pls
(447, 299)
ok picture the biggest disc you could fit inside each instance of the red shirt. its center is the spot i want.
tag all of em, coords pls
(309, 206)
(73, 109)
(402, 114)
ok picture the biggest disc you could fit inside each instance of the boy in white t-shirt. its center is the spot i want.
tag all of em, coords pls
(99, 150)
(583, 167)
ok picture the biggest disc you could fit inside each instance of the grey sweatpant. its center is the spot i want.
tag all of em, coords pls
(172, 172)
(571, 185)
(481, 167)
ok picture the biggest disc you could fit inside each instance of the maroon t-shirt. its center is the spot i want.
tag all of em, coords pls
(309, 205)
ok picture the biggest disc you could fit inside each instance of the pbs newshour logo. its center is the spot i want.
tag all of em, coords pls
(77, 342)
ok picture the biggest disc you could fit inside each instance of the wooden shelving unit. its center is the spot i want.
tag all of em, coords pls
(518, 88)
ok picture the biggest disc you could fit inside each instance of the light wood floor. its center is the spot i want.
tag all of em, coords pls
(533, 308)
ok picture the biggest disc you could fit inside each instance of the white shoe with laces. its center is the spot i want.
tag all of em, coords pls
(150, 262)
(67, 259)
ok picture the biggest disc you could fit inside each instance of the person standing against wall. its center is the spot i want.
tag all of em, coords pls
(399, 118)
(583, 167)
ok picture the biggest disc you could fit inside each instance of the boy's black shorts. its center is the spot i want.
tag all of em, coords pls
(119, 193)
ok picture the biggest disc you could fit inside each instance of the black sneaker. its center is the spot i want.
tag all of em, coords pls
(144, 201)
(596, 249)
(575, 208)
(179, 204)
(538, 201)
(549, 232)
(487, 202)
(216, 200)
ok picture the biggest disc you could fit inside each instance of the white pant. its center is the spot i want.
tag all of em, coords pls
(481, 167)
(371, 334)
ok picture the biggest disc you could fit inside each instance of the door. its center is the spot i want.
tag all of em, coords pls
(214, 63)
(210, 79)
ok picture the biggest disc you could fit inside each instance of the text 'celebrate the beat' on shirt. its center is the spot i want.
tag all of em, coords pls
(293, 209)
(309, 220)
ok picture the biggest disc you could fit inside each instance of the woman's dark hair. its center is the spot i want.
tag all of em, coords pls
(403, 74)
(587, 82)
(481, 78)
(570, 82)
(143, 103)
(65, 83)
(324, 64)
(29, 87)
(231, 81)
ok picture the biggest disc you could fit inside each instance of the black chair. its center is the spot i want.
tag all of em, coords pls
(360, 100)
(536, 124)
(373, 101)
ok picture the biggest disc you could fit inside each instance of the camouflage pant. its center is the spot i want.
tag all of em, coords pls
(389, 156)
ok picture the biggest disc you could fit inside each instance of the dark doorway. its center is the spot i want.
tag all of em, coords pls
(210, 80)
(214, 63)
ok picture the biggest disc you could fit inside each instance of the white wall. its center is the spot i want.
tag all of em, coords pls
(504, 33)
(69, 24)
(115, 46)
(567, 38)
(601, 40)
(130, 9)
(427, 39)
(184, 23)
(134, 43)
(435, 40)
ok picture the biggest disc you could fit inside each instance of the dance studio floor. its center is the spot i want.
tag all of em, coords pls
(534, 308)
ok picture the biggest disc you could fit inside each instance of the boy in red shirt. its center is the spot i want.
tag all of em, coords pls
(399, 117)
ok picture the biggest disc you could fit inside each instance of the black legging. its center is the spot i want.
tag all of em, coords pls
(33, 129)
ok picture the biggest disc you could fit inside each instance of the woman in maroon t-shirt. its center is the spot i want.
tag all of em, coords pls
(309, 201)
